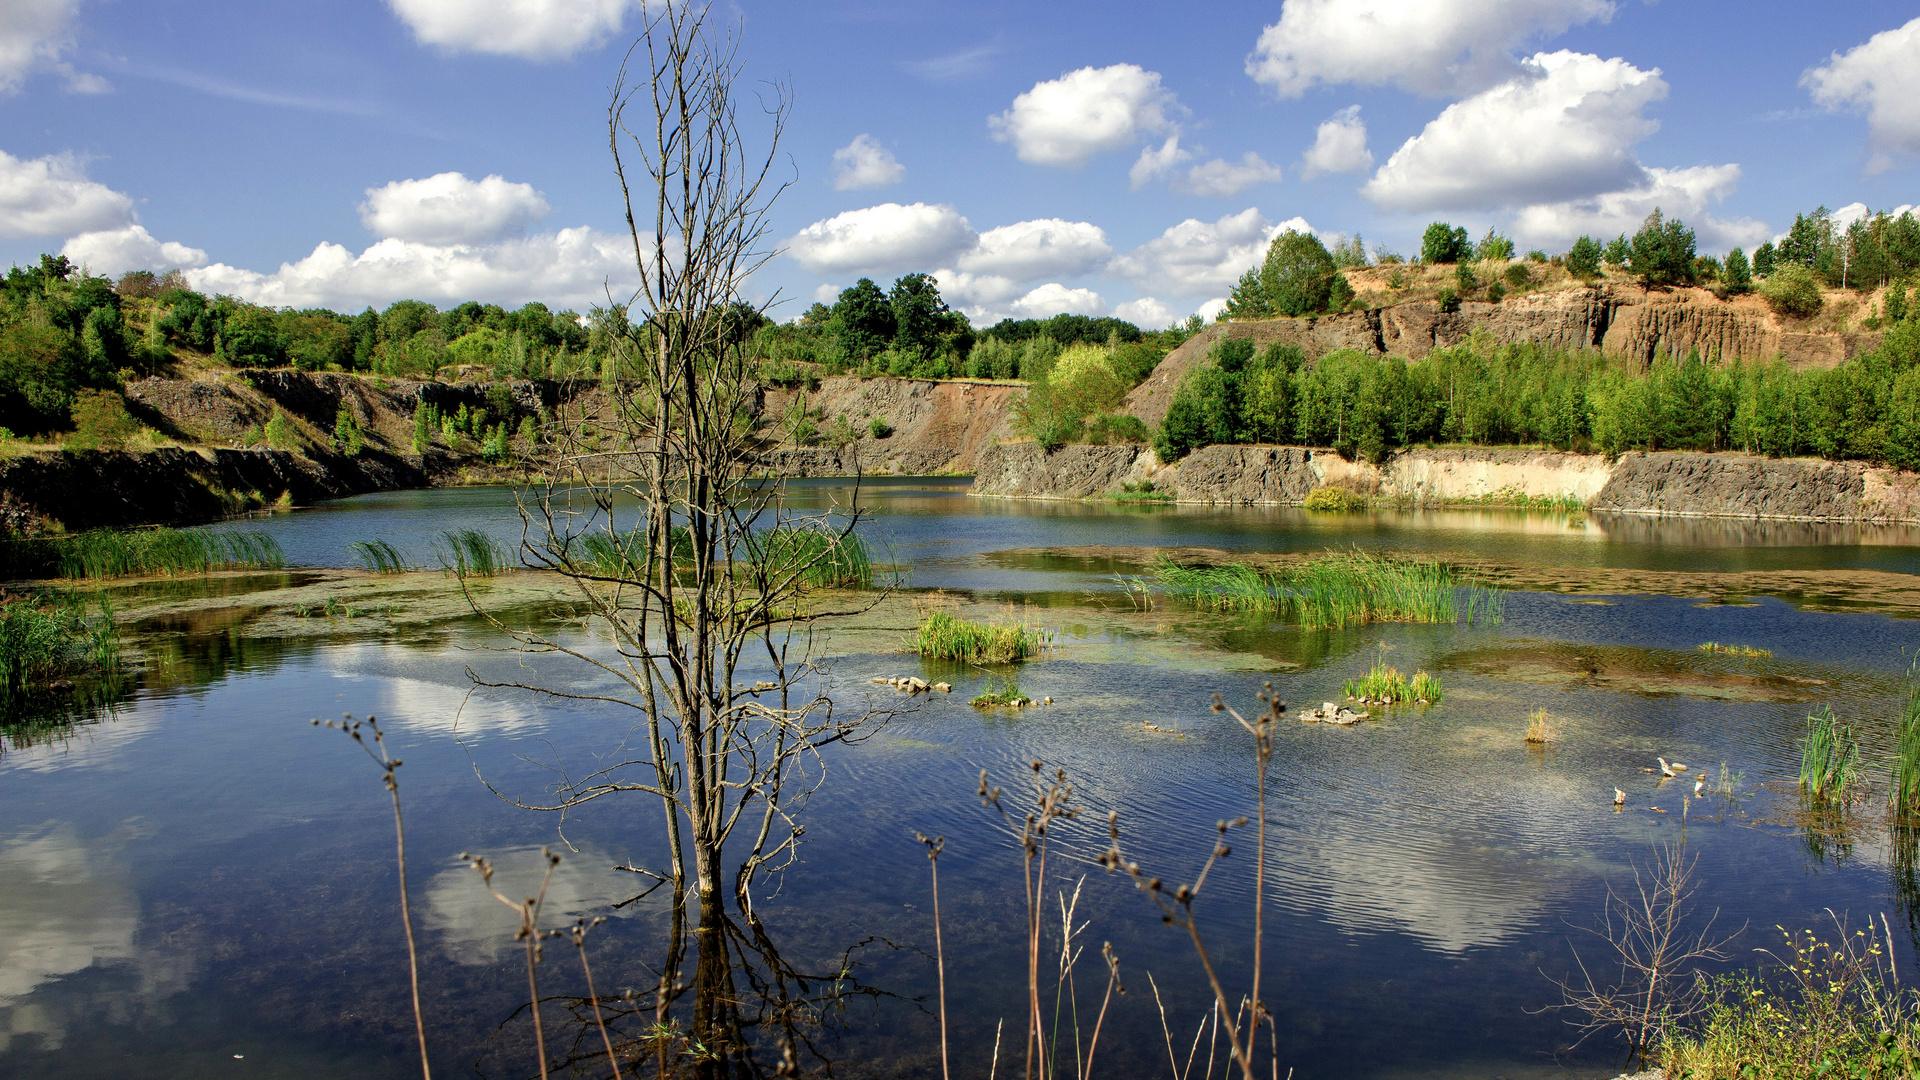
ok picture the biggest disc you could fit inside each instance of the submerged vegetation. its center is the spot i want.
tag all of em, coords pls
(1337, 590)
(945, 636)
(108, 554)
(1829, 757)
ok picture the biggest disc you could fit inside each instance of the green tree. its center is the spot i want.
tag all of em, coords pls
(922, 322)
(1494, 246)
(1763, 259)
(347, 436)
(1736, 275)
(280, 432)
(862, 321)
(1618, 251)
(422, 427)
(1443, 243)
(1339, 293)
(1896, 302)
(1248, 299)
(1793, 290)
(1583, 259)
(101, 421)
(1662, 251)
(1810, 235)
(1298, 274)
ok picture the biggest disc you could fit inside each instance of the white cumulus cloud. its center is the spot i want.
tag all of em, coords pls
(36, 36)
(1429, 46)
(984, 297)
(864, 163)
(1146, 313)
(529, 29)
(1054, 298)
(51, 196)
(1200, 258)
(1212, 309)
(1220, 178)
(1066, 121)
(1683, 193)
(1039, 248)
(1882, 78)
(1339, 146)
(888, 238)
(448, 208)
(575, 267)
(115, 251)
(1157, 161)
(1563, 129)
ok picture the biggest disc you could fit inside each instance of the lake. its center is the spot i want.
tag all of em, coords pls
(195, 882)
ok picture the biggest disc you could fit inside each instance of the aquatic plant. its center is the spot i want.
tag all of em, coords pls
(1005, 691)
(472, 553)
(1539, 731)
(818, 556)
(1425, 687)
(380, 556)
(46, 637)
(1714, 647)
(1903, 792)
(945, 636)
(106, 553)
(1334, 500)
(1336, 590)
(1382, 683)
(1829, 757)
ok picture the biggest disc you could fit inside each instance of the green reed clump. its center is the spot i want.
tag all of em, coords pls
(49, 637)
(380, 556)
(1337, 590)
(1425, 687)
(944, 636)
(472, 553)
(1829, 757)
(1382, 683)
(1904, 791)
(105, 553)
(819, 556)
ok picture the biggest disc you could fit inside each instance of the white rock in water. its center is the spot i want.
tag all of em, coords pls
(1328, 708)
(945, 688)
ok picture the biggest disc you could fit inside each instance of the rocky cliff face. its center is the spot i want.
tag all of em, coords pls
(937, 427)
(1660, 484)
(1621, 320)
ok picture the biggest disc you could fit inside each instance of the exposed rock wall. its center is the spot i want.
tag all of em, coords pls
(938, 426)
(1620, 320)
(1678, 484)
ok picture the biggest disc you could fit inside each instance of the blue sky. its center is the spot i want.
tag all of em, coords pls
(1039, 157)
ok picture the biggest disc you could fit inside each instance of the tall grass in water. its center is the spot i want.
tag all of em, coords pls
(107, 554)
(380, 556)
(1904, 791)
(820, 557)
(1382, 683)
(43, 638)
(944, 636)
(1539, 731)
(472, 553)
(1425, 687)
(1829, 757)
(1338, 590)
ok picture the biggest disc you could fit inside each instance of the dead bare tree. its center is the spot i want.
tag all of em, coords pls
(650, 507)
(1659, 956)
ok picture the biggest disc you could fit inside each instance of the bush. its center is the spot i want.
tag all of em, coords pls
(1793, 290)
(1335, 500)
(101, 421)
(280, 432)
(347, 437)
(1109, 429)
(1448, 300)
(1443, 243)
(1518, 276)
(879, 428)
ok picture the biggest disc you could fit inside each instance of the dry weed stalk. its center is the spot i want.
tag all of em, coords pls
(1661, 984)
(529, 933)
(1176, 907)
(377, 750)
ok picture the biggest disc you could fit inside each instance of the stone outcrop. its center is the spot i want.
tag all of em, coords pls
(1250, 474)
(937, 426)
(1744, 486)
(1621, 320)
(1023, 469)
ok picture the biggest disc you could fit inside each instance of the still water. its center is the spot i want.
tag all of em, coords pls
(201, 884)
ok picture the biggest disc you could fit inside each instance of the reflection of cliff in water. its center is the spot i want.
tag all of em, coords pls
(1693, 533)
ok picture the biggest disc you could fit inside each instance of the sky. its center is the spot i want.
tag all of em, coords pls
(1107, 158)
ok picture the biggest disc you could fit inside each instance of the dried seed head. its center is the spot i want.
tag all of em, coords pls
(1184, 894)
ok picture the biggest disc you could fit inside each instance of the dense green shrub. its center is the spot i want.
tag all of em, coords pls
(1583, 260)
(101, 421)
(1298, 274)
(1736, 275)
(1444, 243)
(280, 432)
(1793, 290)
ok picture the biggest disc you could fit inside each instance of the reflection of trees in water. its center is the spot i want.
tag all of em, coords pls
(41, 716)
(736, 1008)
